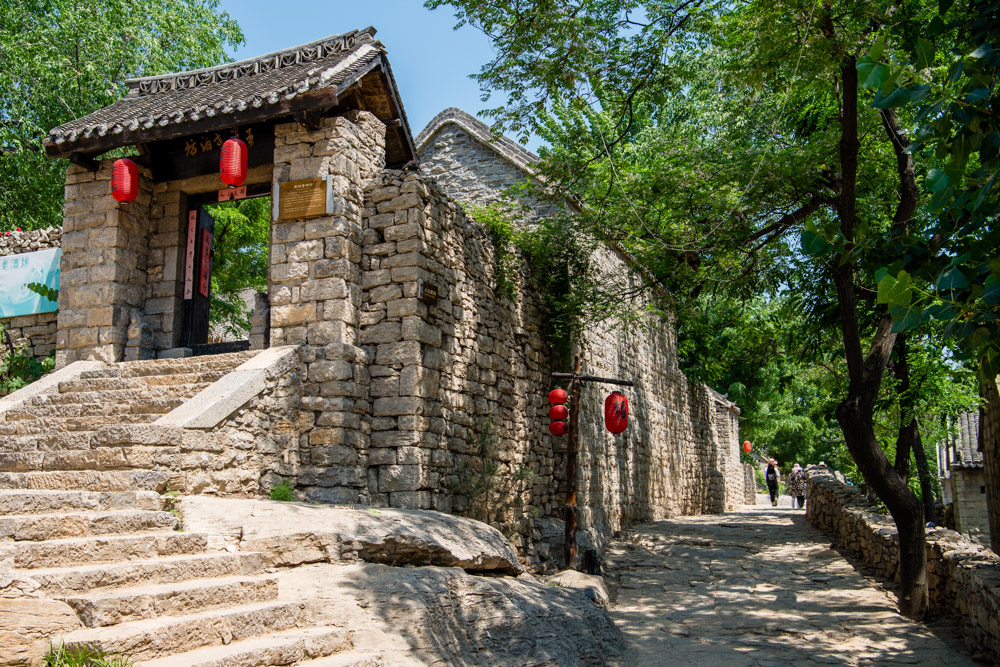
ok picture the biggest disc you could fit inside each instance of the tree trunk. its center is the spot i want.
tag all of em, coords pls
(856, 412)
(989, 443)
(924, 475)
(908, 439)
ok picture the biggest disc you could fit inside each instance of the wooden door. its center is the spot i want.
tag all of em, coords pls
(198, 278)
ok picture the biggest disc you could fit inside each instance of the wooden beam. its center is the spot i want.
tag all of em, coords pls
(315, 100)
(311, 120)
(85, 161)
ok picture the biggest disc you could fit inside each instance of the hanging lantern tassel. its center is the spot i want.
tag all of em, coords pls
(233, 162)
(124, 180)
(616, 412)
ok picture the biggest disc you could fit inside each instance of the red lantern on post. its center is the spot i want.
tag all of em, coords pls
(558, 412)
(233, 162)
(616, 412)
(746, 446)
(124, 180)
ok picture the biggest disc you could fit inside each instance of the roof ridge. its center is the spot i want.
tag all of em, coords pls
(504, 146)
(303, 53)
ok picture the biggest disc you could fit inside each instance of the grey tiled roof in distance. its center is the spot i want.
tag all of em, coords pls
(254, 83)
(965, 440)
(507, 149)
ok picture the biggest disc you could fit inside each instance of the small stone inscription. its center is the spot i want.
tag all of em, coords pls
(301, 199)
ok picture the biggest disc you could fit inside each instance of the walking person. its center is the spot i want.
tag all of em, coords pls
(772, 476)
(797, 485)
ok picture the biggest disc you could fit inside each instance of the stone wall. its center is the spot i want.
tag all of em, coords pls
(963, 577)
(968, 487)
(34, 334)
(103, 268)
(315, 291)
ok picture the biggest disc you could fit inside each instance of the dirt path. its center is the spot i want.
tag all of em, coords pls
(756, 587)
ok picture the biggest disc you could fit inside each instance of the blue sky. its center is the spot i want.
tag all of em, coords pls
(431, 61)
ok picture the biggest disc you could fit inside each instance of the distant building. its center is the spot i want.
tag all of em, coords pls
(962, 475)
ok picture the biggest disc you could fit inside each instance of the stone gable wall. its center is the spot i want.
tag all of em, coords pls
(34, 334)
(963, 577)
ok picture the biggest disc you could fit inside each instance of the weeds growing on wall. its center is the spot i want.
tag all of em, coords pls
(83, 656)
(17, 369)
(494, 489)
(283, 491)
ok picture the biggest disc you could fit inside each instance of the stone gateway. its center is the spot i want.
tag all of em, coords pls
(393, 370)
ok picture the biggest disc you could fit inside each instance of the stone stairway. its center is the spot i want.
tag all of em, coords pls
(83, 510)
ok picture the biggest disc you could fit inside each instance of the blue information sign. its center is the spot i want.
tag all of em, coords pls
(16, 271)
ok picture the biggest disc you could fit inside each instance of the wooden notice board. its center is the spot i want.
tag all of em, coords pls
(302, 199)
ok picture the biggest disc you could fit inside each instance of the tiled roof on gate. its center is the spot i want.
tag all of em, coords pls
(333, 62)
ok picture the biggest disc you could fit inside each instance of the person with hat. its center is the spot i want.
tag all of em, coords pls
(797, 485)
(772, 476)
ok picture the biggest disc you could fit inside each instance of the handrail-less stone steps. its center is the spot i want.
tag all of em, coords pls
(218, 362)
(154, 396)
(97, 458)
(71, 552)
(51, 502)
(134, 603)
(63, 581)
(93, 480)
(169, 635)
(40, 527)
(289, 647)
(140, 382)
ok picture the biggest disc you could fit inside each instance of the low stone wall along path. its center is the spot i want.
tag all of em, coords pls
(756, 587)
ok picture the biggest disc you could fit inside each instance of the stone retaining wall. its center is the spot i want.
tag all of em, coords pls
(35, 334)
(963, 577)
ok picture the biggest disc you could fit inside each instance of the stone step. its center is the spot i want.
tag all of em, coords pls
(39, 527)
(289, 647)
(48, 442)
(349, 659)
(92, 480)
(158, 367)
(106, 549)
(171, 569)
(122, 605)
(143, 382)
(97, 458)
(30, 424)
(130, 398)
(169, 635)
(51, 502)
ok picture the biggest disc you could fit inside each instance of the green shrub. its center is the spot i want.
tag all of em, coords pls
(83, 656)
(17, 369)
(283, 490)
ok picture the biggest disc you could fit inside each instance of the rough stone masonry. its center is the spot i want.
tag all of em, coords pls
(396, 389)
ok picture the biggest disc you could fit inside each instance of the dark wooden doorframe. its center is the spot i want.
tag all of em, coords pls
(198, 299)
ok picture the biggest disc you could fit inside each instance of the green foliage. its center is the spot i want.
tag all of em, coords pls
(65, 58)
(239, 260)
(498, 219)
(494, 488)
(283, 491)
(17, 369)
(83, 656)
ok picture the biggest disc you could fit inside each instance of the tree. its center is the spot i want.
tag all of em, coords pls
(63, 59)
(746, 151)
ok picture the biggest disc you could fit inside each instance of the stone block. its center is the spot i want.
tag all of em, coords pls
(322, 371)
(414, 328)
(283, 316)
(404, 352)
(401, 478)
(395, 406)
(413, 500)
(386, 332)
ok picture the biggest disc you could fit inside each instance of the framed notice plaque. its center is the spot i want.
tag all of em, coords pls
(302, 199)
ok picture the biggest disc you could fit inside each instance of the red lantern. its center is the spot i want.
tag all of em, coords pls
(233, 162)
(558, 428)
(558, 412)
(557, 395)
(124, 180)
(616, 412)
(746, 446)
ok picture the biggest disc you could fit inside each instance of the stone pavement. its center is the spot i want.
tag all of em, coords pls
(756, 587)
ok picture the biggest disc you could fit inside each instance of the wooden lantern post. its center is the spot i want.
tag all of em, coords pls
(572, 447)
